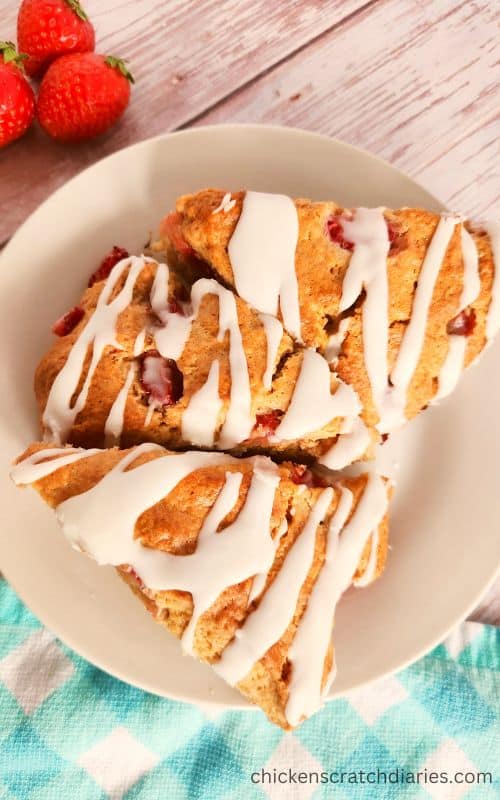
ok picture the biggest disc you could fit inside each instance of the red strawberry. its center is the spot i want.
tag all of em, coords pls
(398, 240)
(68, 321)
(103, 270)
(17, 101)
(336, 232)
(266, 424)
(303, 475)
(161, 378)
(47, 29)
(82, 95)
(463, 324)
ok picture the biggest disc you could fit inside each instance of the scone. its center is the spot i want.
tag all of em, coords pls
(399, 300)
(249, 579)
(144, 357)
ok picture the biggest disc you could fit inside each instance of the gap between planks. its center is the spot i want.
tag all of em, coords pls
(413, 83)
(186, 55)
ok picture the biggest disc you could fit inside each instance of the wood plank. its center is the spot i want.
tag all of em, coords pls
(185, 55)
(416, 83)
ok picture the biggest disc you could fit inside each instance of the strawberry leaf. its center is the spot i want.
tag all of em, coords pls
(121, 66)
(10, 55)
(76, 7)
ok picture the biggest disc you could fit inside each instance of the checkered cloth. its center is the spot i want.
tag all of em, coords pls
(68, 730)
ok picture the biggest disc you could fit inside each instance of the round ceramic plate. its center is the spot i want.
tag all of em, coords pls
(445, 547)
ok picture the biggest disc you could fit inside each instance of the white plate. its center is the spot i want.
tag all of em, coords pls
(445, 515)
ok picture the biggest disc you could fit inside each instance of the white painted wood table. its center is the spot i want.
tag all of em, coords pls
(414, 81)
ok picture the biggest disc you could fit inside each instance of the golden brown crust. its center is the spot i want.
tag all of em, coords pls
(166, 526)
(202, 348)
(321, 266)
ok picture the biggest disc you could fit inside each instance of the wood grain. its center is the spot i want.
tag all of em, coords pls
(185, 55)
(416, 83)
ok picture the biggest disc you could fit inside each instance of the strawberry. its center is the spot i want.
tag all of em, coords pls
(398, 240)
(47, 29)
(17, 101)
(104, 269)
(160, 378)
(266, 424)
(303, 475)
(336, 232)
(82, 95)
(463, 324)
(68, 321)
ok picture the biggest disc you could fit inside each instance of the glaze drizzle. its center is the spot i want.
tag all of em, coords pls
(101, 522)
(262, 255)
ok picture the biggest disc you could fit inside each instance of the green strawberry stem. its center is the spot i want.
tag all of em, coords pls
(121, 66)
(76, 7)
(10, 54)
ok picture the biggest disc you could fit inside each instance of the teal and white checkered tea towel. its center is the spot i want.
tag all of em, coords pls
(69, 731)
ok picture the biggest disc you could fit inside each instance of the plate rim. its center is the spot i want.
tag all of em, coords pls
(235, 126)
(47, 619)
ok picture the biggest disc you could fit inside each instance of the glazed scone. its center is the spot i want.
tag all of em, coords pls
(399, 300)
(146, 358)
(250, 578)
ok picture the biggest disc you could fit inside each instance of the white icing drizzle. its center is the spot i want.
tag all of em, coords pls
(149, 416)
(139, 343)
(98, 333)
(368, 270)
(452, 367)
(310, 645)
(313, 405)
(371, 568)
(239, 419)
(348, 448)
(199, 420)
(104, 527)
(312, 630)
(457, 345)
(336, 340)
(259, 581)
(267, 625)
(152, 376)
(159, 291)
(472, 279)
(274, 333)
(172, 337)
(393, 415)
(262, 255)
(114, 424)
(226, 204)
(493, 319)
(101, 522)
(257, 587)
(226, 500)
(34, 467)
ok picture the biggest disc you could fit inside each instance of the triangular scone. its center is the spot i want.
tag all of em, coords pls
(143, 358)
(401, 300)
(249, 579)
